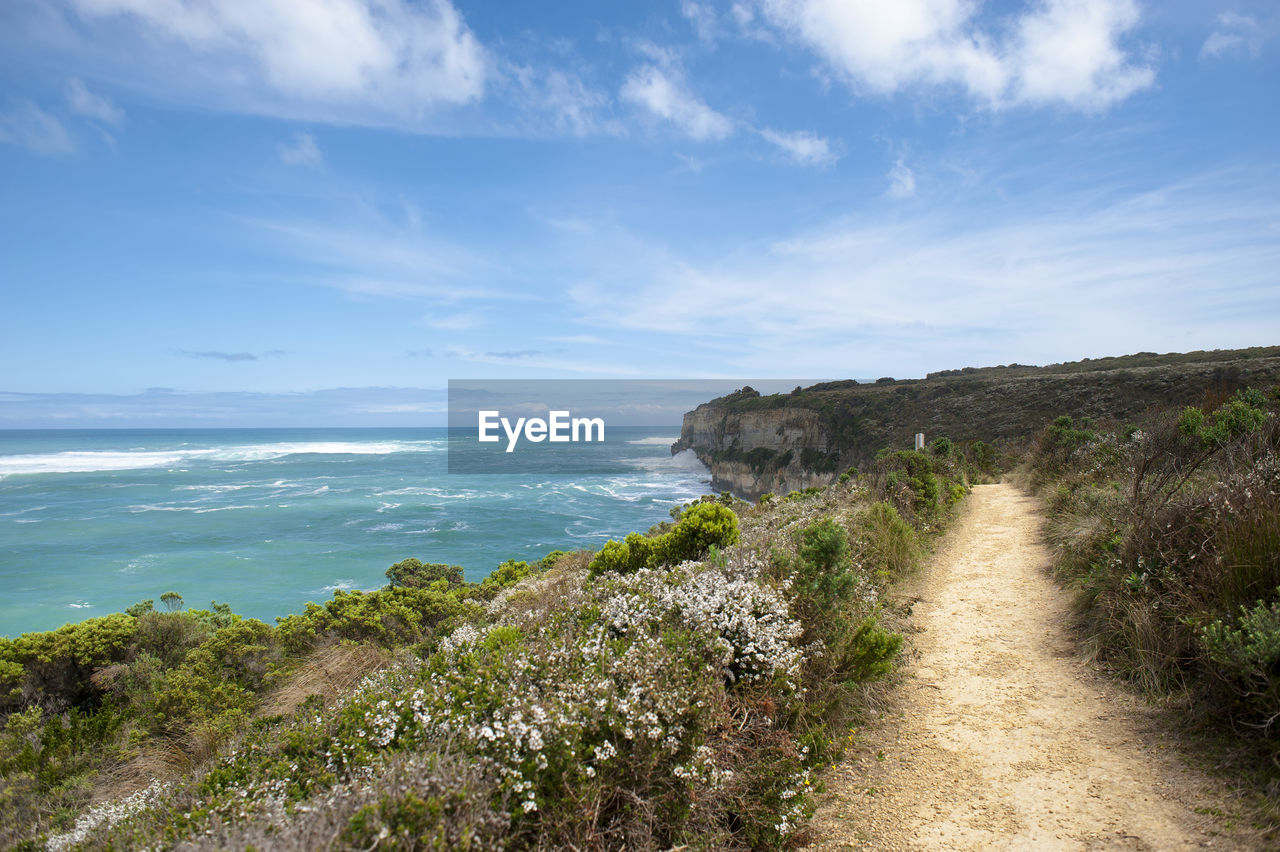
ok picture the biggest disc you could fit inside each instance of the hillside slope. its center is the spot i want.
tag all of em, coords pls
(754, 444)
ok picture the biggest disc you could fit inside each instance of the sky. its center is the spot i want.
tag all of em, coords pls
(326, 210)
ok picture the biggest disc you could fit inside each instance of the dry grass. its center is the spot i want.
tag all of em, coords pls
(534, 598)
(328, 672)
(161, 759)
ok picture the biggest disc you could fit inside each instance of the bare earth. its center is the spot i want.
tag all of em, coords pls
(1002, 737)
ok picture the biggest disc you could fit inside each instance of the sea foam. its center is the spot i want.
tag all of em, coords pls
(91, 461)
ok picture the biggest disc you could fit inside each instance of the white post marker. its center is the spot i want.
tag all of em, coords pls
(919, 440)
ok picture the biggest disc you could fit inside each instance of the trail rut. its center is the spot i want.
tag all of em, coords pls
(1002, 737)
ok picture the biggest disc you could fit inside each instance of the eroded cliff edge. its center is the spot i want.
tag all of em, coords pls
(754, 444)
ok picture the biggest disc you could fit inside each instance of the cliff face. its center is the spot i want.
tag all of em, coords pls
(751, 452)
(754, 444)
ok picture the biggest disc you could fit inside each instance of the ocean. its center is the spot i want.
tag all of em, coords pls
(92, 521)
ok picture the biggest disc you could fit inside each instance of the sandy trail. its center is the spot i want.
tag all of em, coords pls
(1002, 737)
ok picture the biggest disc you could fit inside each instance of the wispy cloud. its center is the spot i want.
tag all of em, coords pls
(85, 103)
(1235, 34)
(803, 147)
(902, 180)
(425, 352)
(702, 17)
(465, 321)
(662, 90)
(588, 339)
(28, 126)
(561, 101)
(302, 151)
(1065, 52)
(1189, 264)
(665, 94)
(368, 254)
(540, 361)
(218, 355)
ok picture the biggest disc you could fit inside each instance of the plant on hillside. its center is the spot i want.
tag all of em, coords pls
(1170, 530)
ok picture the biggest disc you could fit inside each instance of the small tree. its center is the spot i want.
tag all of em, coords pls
(412, 574)
(172, 601)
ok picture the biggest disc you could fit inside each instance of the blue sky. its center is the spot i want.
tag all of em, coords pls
(276, 198)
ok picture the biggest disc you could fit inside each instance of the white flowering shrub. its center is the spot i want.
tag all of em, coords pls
(750, 621)
(103, 815)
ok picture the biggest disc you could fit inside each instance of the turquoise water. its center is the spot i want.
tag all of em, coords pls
(268, 519)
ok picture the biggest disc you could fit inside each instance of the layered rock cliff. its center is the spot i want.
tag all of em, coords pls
(754, 443)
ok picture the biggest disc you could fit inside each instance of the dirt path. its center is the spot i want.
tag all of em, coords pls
(1002, 738)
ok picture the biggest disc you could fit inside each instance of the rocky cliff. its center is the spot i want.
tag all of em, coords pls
(754, 443)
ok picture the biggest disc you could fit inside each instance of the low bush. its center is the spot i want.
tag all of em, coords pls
(910, 478)
(397, 615)
(700, 527)
(891, 542)
(1170, 532)
(410, 573)
(1246, 652)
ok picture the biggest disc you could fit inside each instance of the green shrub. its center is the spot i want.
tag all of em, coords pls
(56, 665)
(391, 616)
(614, 557)
(823, 579)
(701, 526)
(168, 636)
(1245, 651)
(412, 574)
(984, 456)
(892, 543)
(914, 470)
(217, 684)
(1241, 415)
(867, 653)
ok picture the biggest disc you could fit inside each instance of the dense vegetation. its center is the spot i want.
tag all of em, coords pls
(676, 688)
(999, 405)
(1169, 530)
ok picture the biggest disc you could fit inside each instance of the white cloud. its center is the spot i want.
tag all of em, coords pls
(533, 359)
(1054, 51)
(563, 98)
(802, 146)
(370, 256)
(1235, 34)
(343, 60)
(702, 17)
(28, 126)
(902, 181)
(1179, 267)
(301, 152)
(1067, 51)
(584, 339)
(86, 103)
(665, 94)
(454, 322)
